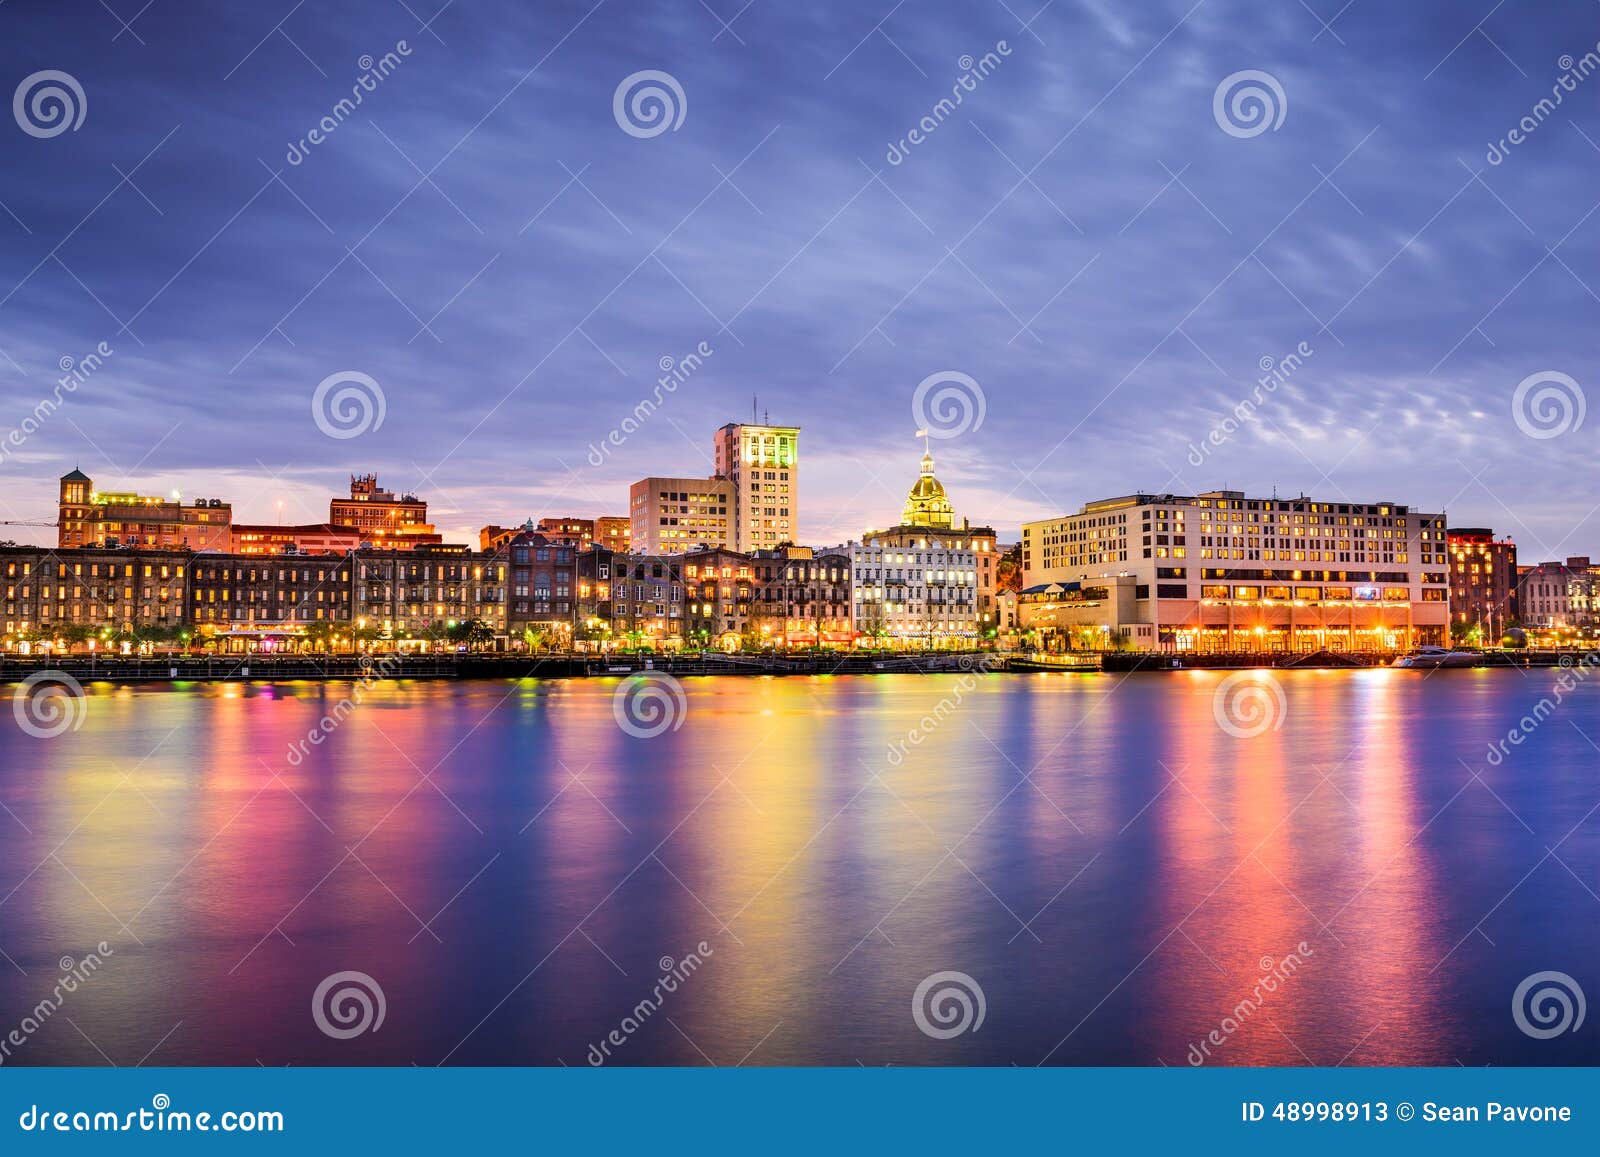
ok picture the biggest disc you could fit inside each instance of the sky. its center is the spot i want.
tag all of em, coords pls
(1073, 277)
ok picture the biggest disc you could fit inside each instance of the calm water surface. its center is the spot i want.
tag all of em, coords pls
(1110, 866)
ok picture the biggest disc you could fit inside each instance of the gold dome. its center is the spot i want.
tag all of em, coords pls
(927, 505)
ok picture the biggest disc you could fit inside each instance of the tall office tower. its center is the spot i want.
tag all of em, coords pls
(763, 464)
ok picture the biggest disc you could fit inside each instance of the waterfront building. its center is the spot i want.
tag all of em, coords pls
(1560, 595)
(244, 602)
(381, 517)
(594, 613)
(1221, 571)
(1483, 583)
(648, 599)
(910, 596)
(673, 515)
(540, 579)
(89, 594)
(89, 518)
(421, 594)
(929, 520)
(762, 465)
(316, 538)
(578, 532)
(801, 597)
(718, 587)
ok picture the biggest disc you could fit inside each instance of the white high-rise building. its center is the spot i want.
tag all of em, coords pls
(762, 464)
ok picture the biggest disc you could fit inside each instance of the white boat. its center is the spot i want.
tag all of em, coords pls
(1427, 658)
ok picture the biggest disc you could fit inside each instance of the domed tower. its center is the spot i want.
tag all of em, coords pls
(927, 505)
(74, 510)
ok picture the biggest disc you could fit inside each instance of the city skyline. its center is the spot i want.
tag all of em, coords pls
(1112, 277)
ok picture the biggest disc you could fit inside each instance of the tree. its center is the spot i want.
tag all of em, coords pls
(475, 633)
(317, 635)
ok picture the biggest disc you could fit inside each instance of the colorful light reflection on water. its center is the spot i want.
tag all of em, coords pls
(1115, 870)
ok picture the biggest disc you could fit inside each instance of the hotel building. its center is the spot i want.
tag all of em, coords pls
(674, 515)
(761, 463)
(89, 518)
(1221, 571)
(1483, 583)
(802, 597)
(89, 591)
(382, 518)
